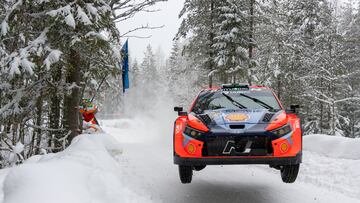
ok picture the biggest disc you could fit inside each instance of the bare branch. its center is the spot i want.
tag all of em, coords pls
(124, 9)
(147, 27)
(44, 129)
(139, 37)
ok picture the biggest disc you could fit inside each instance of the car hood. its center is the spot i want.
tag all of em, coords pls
(242, 120)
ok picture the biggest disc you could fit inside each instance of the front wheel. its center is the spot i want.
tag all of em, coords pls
(289, 173)
(185, 173)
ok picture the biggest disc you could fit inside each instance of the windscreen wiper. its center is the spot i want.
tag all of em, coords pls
(263, 104)
(235, 103)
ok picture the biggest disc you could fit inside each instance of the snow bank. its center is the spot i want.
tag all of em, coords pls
(333, 174)
(85, 172)
(333, 146)
(2, 178)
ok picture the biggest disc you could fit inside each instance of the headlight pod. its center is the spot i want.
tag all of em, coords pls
(193, 132)
(282, 130)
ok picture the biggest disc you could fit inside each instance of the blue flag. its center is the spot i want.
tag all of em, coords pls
(125, 66)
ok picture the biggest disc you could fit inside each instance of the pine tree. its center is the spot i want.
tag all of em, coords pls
(232, 41)
(350, 111)
(200, 17)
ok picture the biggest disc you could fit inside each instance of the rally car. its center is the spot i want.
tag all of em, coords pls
(237, 124)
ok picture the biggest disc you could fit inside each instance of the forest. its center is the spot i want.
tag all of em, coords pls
(53, 53)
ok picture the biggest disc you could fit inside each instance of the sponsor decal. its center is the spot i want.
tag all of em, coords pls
(240, 91)
(177, 129)
(237, 117)
(230, 145)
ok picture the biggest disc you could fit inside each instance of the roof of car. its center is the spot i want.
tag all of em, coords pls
(252, 86)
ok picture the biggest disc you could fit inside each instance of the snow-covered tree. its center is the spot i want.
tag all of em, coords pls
(51, 54)
(232, 41)
(184, 81)
(199, 25)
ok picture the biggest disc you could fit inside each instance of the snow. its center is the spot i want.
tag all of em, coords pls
(333, 174)
(52, 58)
(42, 1)
(333, 146)
(3, 174)
(18, 148)
(133, 163)
(14, 67)
(91, 9)
(4, 28)
(70, 21)
(87, 171)
(81, 15)
(27, 65)
(41, 39)
(61, 11)
(98, 35)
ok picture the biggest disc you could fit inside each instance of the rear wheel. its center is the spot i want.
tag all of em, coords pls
(199, 168)
(185, 173)
(289, 173)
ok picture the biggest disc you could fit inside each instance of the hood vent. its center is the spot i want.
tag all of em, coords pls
(268, 116)
(205, 118)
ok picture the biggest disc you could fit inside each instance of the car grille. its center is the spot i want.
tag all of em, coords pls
(237, 146)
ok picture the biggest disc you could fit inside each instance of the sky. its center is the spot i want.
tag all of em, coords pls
(167, 17)
(162, 37)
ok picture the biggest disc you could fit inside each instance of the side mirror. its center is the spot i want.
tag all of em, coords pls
(178, 108)
(293, 109)
(180, 111)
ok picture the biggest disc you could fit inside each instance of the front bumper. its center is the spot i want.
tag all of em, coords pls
(273, 161)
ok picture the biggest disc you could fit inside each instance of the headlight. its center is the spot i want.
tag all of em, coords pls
(192, 132)
(282, 131)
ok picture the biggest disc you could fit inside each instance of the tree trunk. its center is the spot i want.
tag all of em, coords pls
(73, 100)
(251, 40)
(321, 111)
(55, 111)
(211, 39)
(333, 119)
(39, 108)
(279, 87)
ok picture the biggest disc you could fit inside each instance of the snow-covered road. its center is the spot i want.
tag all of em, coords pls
(137, 166)
(148, 167)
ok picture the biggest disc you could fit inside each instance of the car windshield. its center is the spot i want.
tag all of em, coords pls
(252, 99)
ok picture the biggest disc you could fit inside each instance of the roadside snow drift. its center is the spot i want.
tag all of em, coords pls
(333, 146)
(85, 172)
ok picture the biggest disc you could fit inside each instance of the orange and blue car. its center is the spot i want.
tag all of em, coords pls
(238, 124)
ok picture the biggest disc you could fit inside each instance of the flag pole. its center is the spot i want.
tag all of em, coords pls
(102, 81)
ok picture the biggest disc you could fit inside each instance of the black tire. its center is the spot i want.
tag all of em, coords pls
(199, 168)
(185, 173)
(289, 173)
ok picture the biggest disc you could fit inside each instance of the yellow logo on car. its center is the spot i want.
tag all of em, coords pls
(237, 117)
